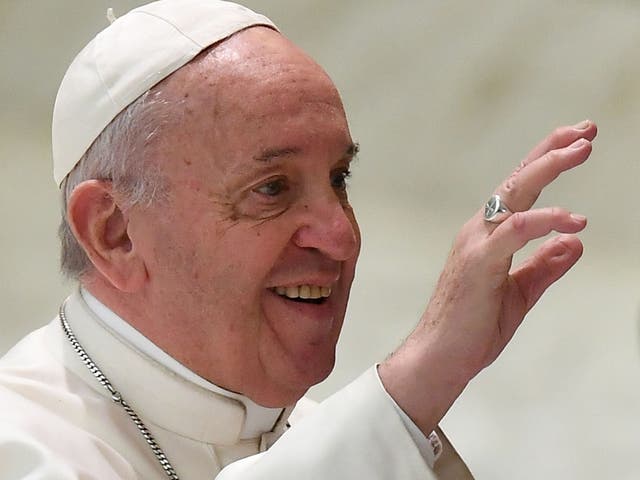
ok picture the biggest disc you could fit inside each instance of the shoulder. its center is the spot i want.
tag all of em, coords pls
(305, 407)
(46, 418)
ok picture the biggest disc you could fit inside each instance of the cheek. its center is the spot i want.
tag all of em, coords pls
(230, 266)
(202, 253)
(177, 251)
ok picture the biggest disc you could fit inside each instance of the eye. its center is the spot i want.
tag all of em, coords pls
(339, 179)
(272, 188)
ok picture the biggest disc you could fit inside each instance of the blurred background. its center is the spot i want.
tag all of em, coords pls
(445, 99)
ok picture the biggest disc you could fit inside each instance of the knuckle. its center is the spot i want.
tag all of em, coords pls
(472, 257)
(510, 182)
(466, 250)
(519, 222)
(510, 185)
(558, 132)
(558, 214)
(519, 168)
(553, 156)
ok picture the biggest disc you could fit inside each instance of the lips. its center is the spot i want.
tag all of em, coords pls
(309, 318)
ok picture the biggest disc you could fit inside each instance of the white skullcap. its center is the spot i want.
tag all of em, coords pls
(129, 57)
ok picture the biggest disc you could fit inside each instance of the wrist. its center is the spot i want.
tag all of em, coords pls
(423, 386)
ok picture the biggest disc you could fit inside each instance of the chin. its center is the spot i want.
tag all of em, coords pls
(291, 383)
(315, 371)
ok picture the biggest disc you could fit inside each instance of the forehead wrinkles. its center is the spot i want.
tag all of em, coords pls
(255, 64)
(268, 85)
(240, 82)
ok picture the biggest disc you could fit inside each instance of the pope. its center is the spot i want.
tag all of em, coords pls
(203, 162)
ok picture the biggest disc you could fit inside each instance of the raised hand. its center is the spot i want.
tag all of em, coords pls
(480, 300)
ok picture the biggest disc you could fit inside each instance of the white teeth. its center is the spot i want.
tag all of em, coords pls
(313, 292)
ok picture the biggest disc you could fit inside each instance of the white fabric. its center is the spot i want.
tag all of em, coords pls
(58, 423)
(258, 419)
(129, 57)
(430, 448)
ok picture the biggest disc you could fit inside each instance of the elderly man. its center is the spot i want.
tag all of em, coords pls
(203, 161)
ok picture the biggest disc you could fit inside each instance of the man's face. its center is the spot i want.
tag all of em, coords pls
(257, 161)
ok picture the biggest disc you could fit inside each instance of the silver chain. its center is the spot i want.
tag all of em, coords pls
(117, 397)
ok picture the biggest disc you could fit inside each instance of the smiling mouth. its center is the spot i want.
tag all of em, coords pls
(314, 294)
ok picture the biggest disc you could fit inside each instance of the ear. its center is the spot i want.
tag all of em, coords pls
(102, 229)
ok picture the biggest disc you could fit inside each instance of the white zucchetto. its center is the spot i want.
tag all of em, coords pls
(127, 58)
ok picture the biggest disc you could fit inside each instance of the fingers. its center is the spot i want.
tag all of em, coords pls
(565, 148)
(522, 227)
(549, 262)
(562, 137)
(523, 187)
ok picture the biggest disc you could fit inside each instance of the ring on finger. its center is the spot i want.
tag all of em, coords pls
(495, 210)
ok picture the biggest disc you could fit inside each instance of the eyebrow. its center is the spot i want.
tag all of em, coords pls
(270, 154)
(274, 153)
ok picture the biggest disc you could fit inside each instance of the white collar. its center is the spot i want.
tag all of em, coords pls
(258, 419)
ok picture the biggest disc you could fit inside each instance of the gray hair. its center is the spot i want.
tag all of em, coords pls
(117, 155)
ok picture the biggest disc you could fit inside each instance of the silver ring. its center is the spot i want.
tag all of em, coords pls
(495, 210)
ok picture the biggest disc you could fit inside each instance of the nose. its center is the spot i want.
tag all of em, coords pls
(329, 226)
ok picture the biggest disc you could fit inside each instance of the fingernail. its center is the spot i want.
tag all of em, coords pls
(583, 125)
(578, 218)
(581, 142)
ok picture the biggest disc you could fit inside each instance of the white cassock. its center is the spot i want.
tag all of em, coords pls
(57, 422)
